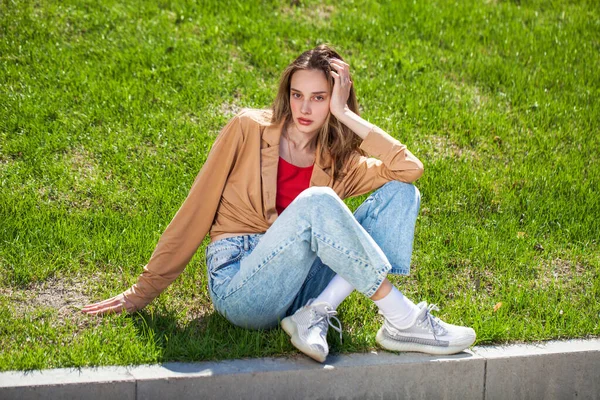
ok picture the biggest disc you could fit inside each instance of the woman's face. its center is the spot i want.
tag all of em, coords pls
(309, 100)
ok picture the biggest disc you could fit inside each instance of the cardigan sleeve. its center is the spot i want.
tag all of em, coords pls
(191, 223)
(390, 160)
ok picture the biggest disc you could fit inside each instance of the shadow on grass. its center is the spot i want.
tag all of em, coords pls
(209, 337)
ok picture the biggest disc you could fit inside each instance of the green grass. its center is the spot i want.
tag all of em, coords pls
(107, 112)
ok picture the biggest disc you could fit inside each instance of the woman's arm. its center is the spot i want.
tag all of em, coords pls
(393, 160)
(186, 231)
(338, 104)
(390, 161)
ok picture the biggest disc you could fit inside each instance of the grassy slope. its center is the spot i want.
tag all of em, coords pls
(108, 112)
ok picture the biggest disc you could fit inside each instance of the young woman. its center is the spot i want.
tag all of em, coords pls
(284, 247)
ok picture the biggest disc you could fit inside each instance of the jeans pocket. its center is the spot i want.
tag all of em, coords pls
(366, 213)
(222, 262)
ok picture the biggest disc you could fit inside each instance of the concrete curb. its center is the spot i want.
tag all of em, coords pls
(551, 370)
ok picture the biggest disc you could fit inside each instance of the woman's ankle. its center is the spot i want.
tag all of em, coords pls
(335, 292)
(384, 289)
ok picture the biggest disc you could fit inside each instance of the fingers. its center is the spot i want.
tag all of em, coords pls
(339, 63)
(112, 305)
(341, 77)
(341, 72)
(337, 60)
(100, 304)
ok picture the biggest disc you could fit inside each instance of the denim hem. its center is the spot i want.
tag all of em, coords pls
(375, 287)
(380, 278)
(399, 271)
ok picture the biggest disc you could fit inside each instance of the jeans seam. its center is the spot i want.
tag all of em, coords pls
(221, 248)
(226, 263)
(320, 237)
(209, 249)
(381, 273)
(368, 224)
(375, 287)
(312, 273)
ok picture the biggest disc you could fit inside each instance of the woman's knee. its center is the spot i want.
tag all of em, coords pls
(318, 191)
(401, 191)
(320, 195)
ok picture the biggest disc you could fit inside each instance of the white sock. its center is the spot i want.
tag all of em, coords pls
(337, 290)
(397, 309)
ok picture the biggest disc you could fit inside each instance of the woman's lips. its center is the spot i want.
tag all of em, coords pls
(303, 121)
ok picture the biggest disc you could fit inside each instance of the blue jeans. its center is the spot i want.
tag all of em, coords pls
(255, 280)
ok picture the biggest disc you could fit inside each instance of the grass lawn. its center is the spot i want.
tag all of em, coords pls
(108, 110)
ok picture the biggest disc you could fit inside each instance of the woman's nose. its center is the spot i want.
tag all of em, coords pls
(305, 109)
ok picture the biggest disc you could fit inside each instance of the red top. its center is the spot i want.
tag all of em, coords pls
(291, 181)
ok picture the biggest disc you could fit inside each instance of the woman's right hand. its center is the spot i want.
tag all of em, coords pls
(341, 87)
(116, 304)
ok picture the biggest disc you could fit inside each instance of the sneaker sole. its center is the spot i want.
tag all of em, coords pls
(393, 345)
(291, 329)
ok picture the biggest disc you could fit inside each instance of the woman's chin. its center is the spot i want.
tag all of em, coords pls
(307, 129)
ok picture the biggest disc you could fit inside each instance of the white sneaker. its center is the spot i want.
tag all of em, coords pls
(308, 329)
(427, 334)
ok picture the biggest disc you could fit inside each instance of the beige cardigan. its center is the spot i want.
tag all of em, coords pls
(235, 191)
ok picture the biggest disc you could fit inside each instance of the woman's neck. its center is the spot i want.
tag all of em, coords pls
(298, 150)
(300, 141)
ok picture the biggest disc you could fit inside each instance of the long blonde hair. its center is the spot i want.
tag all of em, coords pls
(335, 138)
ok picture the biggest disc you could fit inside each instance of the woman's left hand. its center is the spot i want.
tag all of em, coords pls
(116, 304)
(341, 87)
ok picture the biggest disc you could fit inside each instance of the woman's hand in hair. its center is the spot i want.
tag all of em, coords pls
(341, 87)
(117, 304)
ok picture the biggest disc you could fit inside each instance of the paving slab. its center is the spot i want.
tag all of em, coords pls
(357, 376)
(67, 383)
(553, 370)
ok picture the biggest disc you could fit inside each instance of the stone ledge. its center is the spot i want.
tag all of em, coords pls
(551, 370)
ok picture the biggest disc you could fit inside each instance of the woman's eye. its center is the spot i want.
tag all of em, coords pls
(296, 95)
(319, 98)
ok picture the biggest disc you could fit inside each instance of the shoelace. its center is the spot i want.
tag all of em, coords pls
(328, 315)
(432, 321)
